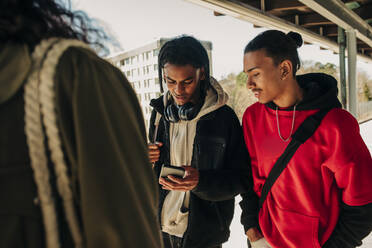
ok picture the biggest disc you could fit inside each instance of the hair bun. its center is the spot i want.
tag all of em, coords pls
(296, 37)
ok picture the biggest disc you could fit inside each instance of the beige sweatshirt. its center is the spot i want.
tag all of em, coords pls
(182, 135)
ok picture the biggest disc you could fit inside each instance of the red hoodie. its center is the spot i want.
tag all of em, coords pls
(332, 167)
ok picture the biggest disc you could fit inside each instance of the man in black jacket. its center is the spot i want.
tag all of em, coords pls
(193, 128)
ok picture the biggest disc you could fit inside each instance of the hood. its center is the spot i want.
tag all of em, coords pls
(216, 97)
(15, 64)
(320, 91)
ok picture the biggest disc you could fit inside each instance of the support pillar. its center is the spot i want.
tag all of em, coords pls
(342, 46)
(352, 72)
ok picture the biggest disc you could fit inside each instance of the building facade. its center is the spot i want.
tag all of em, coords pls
(140, 66)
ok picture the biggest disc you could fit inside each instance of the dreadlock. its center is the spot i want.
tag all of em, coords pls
(185, 50)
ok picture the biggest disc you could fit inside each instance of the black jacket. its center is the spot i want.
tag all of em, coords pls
(221, 158)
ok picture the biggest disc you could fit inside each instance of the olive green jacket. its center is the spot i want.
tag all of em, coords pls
(103, 135)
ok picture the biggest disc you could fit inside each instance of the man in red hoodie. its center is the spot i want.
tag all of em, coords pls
(323, 197)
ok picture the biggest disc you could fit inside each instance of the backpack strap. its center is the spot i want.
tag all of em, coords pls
(156, 124)
(40, 110)
(304, 132)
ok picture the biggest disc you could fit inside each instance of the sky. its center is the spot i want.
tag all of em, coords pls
(138, 22)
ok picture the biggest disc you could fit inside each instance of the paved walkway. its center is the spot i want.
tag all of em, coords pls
(367, 242)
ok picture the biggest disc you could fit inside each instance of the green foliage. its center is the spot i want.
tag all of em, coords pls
(367, 92)
(241, 79)
(328, 68)
(239, 96)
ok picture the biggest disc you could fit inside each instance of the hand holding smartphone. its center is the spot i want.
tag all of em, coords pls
(172, 170)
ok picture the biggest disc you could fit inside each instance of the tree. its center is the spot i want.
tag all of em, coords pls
(239, 96)
(328, 68)
(364, 84)
(367, 92)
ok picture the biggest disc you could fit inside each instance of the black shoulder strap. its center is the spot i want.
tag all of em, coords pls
(304, 131)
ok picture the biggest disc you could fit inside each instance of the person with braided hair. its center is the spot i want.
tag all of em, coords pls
(74, 170)
(310, 166)
(191, 127)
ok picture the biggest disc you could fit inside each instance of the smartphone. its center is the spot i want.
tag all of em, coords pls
(172, 170)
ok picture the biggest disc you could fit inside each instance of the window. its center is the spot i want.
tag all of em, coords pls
(139, 84)
(138, 72)
(139, 97)
(155, 52)
(128, 73)
(146, 55)
(155, 67)
(146, 70)
(148, 83)
(127, 61)
(156, 81)
(122, 62)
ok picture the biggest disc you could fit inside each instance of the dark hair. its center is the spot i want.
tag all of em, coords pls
(185, 50)
(278, 45)
(30, 21)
